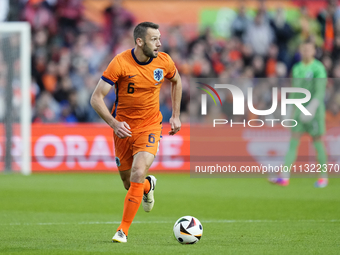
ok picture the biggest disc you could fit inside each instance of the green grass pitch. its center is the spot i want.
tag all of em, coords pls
(79, 213)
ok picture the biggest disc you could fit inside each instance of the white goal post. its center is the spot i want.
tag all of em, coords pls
(24, 29)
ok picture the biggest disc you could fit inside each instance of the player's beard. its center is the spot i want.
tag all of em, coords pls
(148, 52)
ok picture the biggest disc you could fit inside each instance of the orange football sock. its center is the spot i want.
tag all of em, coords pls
(146, 186)
(132, 202)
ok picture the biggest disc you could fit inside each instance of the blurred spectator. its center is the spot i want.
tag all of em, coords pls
(175, 40)
(39, 16)
(259, 67)
(47, 109)
(240, 23)
(305, 27)
(40, 40)
(333, 112)
(283, 33)
(81, 113)
(63, 90)
(271, 61)
(328, 63)
(336, 76)
(262, 9)
(259, 35)
(15, 10)
(199, 61)
(49, 78)
(117, 22)
(247, 54)
(336, 49)
(99, 51)
(281, 70)
(69, 13)
(39, 63)
(124, 43)
(328, 19)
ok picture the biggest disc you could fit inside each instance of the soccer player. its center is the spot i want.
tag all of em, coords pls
(310, 74)
(137, 75)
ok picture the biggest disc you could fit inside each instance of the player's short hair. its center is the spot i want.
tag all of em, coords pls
(141, 28)
(308, 40)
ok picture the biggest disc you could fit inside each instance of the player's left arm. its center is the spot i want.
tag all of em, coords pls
(176, 97)
(320, 82)
(295, 83)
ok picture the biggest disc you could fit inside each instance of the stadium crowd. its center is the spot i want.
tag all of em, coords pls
(69, 54)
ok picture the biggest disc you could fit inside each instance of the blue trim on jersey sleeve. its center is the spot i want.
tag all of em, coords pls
(173, 75)
(108, 80)
(116, 102)
(137, 61)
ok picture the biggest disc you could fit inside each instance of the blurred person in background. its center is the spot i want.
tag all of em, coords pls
(175, 40)
(39, 16)
(47, 109)
(49, 78)
(247, 54)
(335, 55)
(328, 19)
(100, 51)
(199, 60)
(333, 111)
(117, 22)
(305, 27)
(63, 90)
(240, 23)
(259, 67)
(259, 35)
(282, 34)
(271, 61)
(73, 111)
(69, 14)
(328, 64)
(78, 112)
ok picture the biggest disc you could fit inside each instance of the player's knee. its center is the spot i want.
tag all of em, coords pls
(138, 174)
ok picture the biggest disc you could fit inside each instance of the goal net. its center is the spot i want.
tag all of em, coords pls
(15, 98)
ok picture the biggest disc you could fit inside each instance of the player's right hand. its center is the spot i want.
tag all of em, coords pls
(122, 130)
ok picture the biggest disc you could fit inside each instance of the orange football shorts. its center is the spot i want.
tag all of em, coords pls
(126, 148)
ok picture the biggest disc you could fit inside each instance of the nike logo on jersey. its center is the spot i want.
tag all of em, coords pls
(149, 146)
(130, 76)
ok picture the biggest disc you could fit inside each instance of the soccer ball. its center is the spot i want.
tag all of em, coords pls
(188, 230)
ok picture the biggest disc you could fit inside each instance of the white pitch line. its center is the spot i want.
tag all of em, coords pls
(165, 222)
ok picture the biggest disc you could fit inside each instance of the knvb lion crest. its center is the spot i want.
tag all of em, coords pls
(158, 74)
(117, 161)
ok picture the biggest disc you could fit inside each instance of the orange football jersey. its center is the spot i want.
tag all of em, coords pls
(137, 86)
